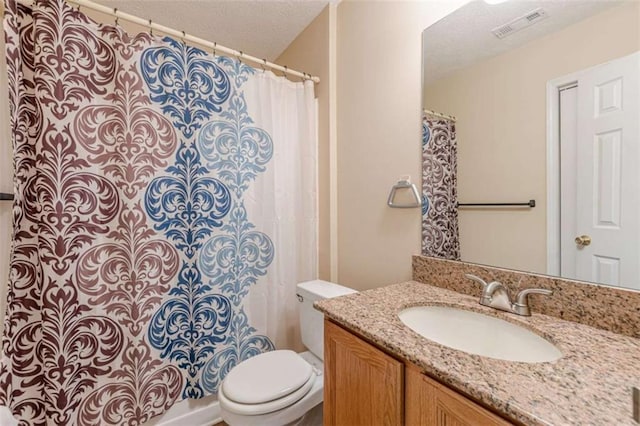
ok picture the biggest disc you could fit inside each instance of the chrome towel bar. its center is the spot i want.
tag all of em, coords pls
(530, 203)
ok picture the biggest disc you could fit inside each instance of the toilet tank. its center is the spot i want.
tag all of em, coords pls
(311, 320)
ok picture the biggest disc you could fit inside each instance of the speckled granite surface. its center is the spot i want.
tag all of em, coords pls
(609, 308)
(589, 385)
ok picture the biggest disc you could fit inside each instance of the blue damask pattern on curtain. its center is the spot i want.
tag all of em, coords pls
(440, 237)
(204, 217)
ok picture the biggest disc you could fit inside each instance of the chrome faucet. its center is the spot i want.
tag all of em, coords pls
(495, 295)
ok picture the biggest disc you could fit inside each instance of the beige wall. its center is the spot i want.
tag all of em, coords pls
(379, 99)
(313, 52)
(500, 104)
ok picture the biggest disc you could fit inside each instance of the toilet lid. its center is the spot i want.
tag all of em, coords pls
(266, 377)
(266, 407)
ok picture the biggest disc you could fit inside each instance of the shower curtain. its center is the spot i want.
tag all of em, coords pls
(440, 236)
(165, 209)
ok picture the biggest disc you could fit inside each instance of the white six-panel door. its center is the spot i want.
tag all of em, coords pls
(607, 176)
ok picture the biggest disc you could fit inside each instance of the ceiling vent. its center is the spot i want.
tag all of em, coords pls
(520, 23)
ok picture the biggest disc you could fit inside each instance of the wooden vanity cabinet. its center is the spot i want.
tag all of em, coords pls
(364, 386)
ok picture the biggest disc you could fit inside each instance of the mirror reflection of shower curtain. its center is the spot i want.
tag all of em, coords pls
(440, 237)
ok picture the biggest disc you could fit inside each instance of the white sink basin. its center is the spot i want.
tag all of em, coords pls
(478, 334)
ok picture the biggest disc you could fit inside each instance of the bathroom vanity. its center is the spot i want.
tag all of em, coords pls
(375, 365)
(365, 385)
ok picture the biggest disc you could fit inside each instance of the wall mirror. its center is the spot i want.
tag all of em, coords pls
(535, 100)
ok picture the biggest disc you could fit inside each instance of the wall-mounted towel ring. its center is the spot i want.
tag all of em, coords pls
(404, 183)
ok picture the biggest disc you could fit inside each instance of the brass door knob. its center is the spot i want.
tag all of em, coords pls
(583, 240)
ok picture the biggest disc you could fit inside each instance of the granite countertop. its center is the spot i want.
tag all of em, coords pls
(590, 384)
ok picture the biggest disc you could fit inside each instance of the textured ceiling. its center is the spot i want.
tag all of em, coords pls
(260, 28)
(464, 37)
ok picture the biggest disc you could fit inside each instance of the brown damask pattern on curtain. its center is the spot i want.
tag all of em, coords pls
(74, 344)
(440, 237)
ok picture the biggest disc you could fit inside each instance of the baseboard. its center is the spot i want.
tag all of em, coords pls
(190, 412)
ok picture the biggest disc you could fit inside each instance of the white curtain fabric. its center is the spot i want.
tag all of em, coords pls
(282, 202)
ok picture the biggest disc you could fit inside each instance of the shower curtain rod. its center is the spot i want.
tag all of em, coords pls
(183, 36)
(439, 114)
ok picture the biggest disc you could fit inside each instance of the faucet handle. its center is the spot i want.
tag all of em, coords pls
(521, 298)
(521, 305)
(479, 280)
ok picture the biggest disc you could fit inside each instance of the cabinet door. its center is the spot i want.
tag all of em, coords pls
(362, 385)
(430, 403)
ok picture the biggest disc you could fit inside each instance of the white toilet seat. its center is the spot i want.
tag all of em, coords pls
(266, 383)
(266, 377)
(287, 415)
(266, 407)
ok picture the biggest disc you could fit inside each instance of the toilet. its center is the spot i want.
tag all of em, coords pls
(282, 387)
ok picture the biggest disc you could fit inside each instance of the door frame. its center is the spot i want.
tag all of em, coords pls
(553, 167)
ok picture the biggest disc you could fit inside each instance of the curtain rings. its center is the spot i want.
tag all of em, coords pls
(239, 56)
(151, 27)
(215, 46)
(264, 65)
(286, 71)
(115, 13)
(184, 35)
